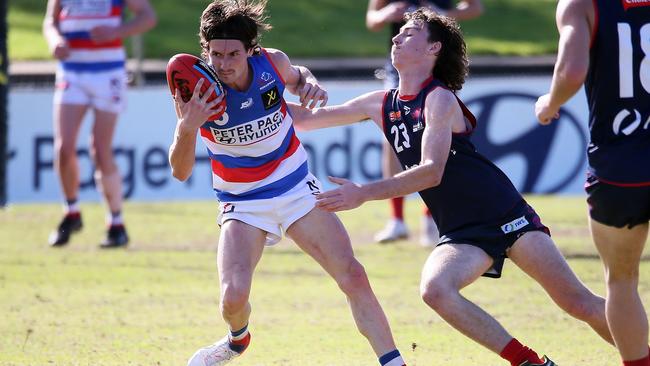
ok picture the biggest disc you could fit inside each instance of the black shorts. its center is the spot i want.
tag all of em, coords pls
(617, 206)
(497, 236)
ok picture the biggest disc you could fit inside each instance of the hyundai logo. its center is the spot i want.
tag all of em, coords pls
(540, 159)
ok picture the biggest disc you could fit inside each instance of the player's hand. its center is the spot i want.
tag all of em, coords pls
(544, 112)
(61, 50)
(197, 110)
(347, 196)
(311, 93)
(103, 34)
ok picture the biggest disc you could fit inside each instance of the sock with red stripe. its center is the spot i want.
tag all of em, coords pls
(239, 340)
(392, 358)
(645, 361)
(516, 353)
(397, 208)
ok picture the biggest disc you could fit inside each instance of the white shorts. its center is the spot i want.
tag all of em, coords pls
(274, 215)
(105, 90)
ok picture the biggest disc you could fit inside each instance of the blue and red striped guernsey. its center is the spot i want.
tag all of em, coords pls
(76, 19)
(253, 148)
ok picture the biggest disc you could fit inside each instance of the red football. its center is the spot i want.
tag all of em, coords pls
(184, 71)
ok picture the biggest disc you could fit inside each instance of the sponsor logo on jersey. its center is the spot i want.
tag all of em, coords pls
(407, 110)
(418, 126)
(265, 80)
(634, 3)
(395, 116)
(271, 97)
(247, 103)
(249, 132)
(266, 76)
(514, 225)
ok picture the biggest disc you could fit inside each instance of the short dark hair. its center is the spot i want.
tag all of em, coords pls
(244, 20)
(451, 67)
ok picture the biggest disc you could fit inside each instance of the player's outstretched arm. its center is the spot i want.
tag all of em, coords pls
(442, 112)
(574, 22)
(361, 108)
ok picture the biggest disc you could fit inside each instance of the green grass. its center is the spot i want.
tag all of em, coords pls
(319, 28)
(156, 302)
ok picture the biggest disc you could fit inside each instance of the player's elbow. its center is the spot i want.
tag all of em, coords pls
(179, 172)
(181, 175)
(433, 176)
(433, 180)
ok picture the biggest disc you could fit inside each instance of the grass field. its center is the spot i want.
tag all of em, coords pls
(318, 28)
(156, 302)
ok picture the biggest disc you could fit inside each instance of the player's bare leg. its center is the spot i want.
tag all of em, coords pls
(321, 235)
(101, 151)
(240, 250)
(620, 251)
(448, 269)
(536, 254)
(67, 122)
(107, 176)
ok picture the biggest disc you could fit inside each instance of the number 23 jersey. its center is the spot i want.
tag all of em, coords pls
(473, 190)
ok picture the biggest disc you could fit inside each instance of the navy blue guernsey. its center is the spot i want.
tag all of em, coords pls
(473, 190)
(618, 92)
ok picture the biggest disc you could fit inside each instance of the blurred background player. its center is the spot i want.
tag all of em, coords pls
(605, 45)
(430, 130)
(86, 37)
(261, 176)
(388, 12)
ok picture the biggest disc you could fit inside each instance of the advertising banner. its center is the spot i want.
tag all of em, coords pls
(538, 159)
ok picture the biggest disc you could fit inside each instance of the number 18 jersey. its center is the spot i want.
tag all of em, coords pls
(618, 92)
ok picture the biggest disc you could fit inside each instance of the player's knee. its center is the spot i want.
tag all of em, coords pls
(354, 278)
(65, 152)
(436, 294)
(585, 307)
(233, 300)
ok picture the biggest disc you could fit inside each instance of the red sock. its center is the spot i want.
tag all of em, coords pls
(240, 345)
(516, 353)
(645, 361)
(397, 208)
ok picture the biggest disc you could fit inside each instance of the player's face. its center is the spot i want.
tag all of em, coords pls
(411, 43)
(229, 59)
